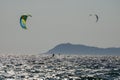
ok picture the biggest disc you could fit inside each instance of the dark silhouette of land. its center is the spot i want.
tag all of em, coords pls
(68, 48)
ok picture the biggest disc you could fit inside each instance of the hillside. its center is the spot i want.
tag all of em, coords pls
(69, 48)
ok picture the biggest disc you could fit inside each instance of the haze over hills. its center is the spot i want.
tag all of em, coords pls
(68, 48)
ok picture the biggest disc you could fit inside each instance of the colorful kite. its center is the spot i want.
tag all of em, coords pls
(23, 19)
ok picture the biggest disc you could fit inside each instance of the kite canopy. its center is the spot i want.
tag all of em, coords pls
(95, 16)
(23, 19)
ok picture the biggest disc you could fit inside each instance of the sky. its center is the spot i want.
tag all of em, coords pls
(58, 21)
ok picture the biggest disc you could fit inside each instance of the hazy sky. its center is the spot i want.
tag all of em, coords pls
(58, 21)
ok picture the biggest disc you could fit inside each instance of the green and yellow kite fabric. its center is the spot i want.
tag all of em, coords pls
(23, 19)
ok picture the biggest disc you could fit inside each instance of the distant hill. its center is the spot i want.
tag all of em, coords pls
(69, 48)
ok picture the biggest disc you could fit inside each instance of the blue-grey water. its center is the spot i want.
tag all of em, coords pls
(59, 67)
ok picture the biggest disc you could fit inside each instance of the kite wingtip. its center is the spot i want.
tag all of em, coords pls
(25, 28)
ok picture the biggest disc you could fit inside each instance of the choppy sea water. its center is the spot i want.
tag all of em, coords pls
(59, 67)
